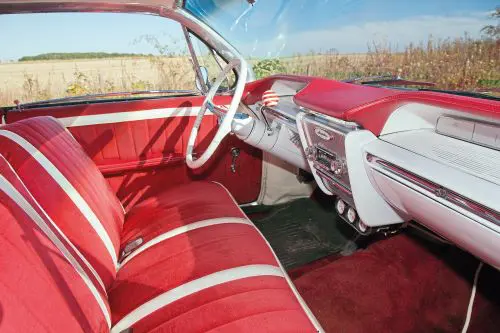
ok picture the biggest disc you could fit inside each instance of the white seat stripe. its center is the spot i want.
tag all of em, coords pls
(12, 192)
(192, 287)
(181, 230)
(72, 193)
(308, 311)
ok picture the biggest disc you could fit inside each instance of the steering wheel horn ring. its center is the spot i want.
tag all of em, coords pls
(225, 125)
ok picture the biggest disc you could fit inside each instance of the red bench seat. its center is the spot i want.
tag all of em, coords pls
(187, 260)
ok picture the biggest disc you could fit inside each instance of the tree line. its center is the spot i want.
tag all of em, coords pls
(80, 55)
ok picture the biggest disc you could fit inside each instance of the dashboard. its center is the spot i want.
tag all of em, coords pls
(389, 156)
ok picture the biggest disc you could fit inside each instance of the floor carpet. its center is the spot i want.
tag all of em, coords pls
(301, 231)
(401, 284)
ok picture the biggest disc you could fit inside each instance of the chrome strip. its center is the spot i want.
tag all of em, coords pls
(334, 181)
(194, 57)
(218, 110)
(250, 204)
(225, 49)
(282, 117)
(438, 190)
(470, 120)
(350, 125)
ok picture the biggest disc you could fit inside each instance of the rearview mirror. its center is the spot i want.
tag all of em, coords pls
(204, 75)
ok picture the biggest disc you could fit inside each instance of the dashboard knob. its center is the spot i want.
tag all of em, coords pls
(311, 153)
(338, 167)
(340, 206)
(351, 215)
(362, 227)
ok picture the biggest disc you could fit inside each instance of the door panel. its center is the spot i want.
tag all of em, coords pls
(140, 146)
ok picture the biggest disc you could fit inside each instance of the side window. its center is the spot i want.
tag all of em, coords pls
(213, 62)
(79, 54)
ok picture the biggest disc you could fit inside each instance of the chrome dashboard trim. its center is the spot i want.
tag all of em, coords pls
(474, 122)
(323, 141)
(348, 124)
(281, 116)
(438, 191)
(335, 182)
(288, 118)
(320, 117)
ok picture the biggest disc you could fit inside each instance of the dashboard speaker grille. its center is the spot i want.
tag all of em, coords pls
(482, 164)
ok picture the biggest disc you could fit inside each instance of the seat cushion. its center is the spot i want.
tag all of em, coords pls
(218, 278)
(177, 207)
(203, 267)
(69, 187)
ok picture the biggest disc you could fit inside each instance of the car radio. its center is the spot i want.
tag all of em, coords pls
(325, 151)
(323, 140)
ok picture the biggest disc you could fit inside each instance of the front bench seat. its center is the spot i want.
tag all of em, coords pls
(200, 264)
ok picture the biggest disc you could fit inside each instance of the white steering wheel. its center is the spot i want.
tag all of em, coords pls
(225, 126)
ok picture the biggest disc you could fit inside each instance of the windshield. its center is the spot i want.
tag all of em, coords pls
(452, 43)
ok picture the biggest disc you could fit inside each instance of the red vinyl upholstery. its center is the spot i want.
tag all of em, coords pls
(176, 207)
(40, 290)
(85, 196)
(201, 265)
(141, 154)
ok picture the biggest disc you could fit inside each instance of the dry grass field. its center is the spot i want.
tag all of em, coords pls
(462, 64)
(452, 64)
(38, 80)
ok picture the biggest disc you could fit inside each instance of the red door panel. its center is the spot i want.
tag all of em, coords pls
(141, 150)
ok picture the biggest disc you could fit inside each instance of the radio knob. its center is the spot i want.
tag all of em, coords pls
(338, 167)
(311, 153)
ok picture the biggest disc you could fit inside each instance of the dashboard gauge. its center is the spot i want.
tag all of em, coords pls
(340, 207)
(351, 215)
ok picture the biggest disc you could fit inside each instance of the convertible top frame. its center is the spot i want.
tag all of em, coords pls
(155, 7)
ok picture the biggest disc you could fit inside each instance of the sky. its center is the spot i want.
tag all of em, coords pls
(269, 28)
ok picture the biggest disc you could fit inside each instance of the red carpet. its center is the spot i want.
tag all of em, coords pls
(401, 284)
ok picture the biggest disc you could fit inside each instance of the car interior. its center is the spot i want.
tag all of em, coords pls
(289, 203)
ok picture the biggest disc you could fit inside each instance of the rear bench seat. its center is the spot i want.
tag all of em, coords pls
(187, 260)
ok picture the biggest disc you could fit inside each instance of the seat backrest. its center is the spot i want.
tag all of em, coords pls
(69, 187)
(44, 286)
